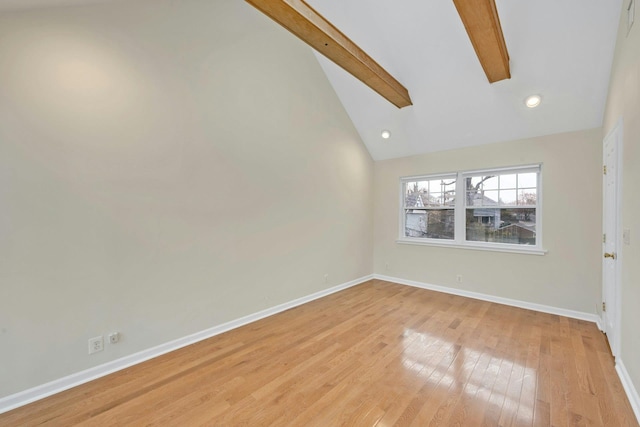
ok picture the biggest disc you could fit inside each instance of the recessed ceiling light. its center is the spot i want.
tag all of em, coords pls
(533, 101)
(385, 134)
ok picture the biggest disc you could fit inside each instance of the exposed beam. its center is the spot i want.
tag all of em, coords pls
(303, 21)
(480, 18)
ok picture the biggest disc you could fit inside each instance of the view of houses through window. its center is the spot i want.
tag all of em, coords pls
(430, 208)
(498, 207)
(501, 208)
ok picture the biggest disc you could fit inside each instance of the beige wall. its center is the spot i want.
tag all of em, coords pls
(568, 276)
(624, 102)
(164, 167)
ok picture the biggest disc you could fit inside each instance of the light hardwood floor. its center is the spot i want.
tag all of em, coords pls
(378, 354)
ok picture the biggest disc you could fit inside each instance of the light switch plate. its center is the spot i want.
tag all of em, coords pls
(626, 236)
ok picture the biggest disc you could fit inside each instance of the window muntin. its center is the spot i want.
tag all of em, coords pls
(500, 209)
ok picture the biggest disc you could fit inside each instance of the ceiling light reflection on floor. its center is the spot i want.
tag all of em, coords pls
(445, 365)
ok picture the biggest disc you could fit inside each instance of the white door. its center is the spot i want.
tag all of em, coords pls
(610, 259)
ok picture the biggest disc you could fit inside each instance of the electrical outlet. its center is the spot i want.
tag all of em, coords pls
(326, 278)
(96, 344)
(459, 278)
(114, 337)
(386, 266)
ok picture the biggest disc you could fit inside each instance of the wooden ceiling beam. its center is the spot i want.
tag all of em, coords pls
(312, 28)
(480, 19)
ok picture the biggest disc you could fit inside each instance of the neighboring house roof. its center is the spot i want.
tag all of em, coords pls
(479, 199)
(524, 226)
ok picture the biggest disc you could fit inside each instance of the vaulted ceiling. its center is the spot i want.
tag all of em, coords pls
(561, 50)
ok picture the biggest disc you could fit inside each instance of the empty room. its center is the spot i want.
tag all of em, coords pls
(319, 213)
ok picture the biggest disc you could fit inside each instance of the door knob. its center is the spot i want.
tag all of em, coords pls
(610, 255)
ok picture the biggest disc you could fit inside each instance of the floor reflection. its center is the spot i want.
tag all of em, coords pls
(485, 375)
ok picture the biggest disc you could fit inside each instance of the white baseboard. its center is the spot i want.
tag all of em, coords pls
(632, 392)
(40, 392)
(484, 297)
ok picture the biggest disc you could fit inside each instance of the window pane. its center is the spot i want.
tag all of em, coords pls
(450, 185)
(527, 197)
(423, 186)
(432, 224)
(413, 200)
(410, 187)
(507, 197)
(473, 181)
(474, 198)
(433, 199)
(413, 191)
(527, 180)
(513, 225)
(435, 185)
(507, 181)
(490, 198)
(416, 186)
(491, 183)
(487, 182)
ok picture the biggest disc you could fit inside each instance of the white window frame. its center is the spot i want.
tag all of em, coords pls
(460, 209)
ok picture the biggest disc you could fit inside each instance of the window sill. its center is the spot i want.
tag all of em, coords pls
(476, 247)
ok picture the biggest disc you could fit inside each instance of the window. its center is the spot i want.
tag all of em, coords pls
(429, 208)
(495, 209)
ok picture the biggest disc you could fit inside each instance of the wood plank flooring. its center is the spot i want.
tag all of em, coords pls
(378, 354)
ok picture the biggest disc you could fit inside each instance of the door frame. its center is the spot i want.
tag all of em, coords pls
(617, 132)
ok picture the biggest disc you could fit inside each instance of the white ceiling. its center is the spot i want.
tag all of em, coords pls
(562, 50)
